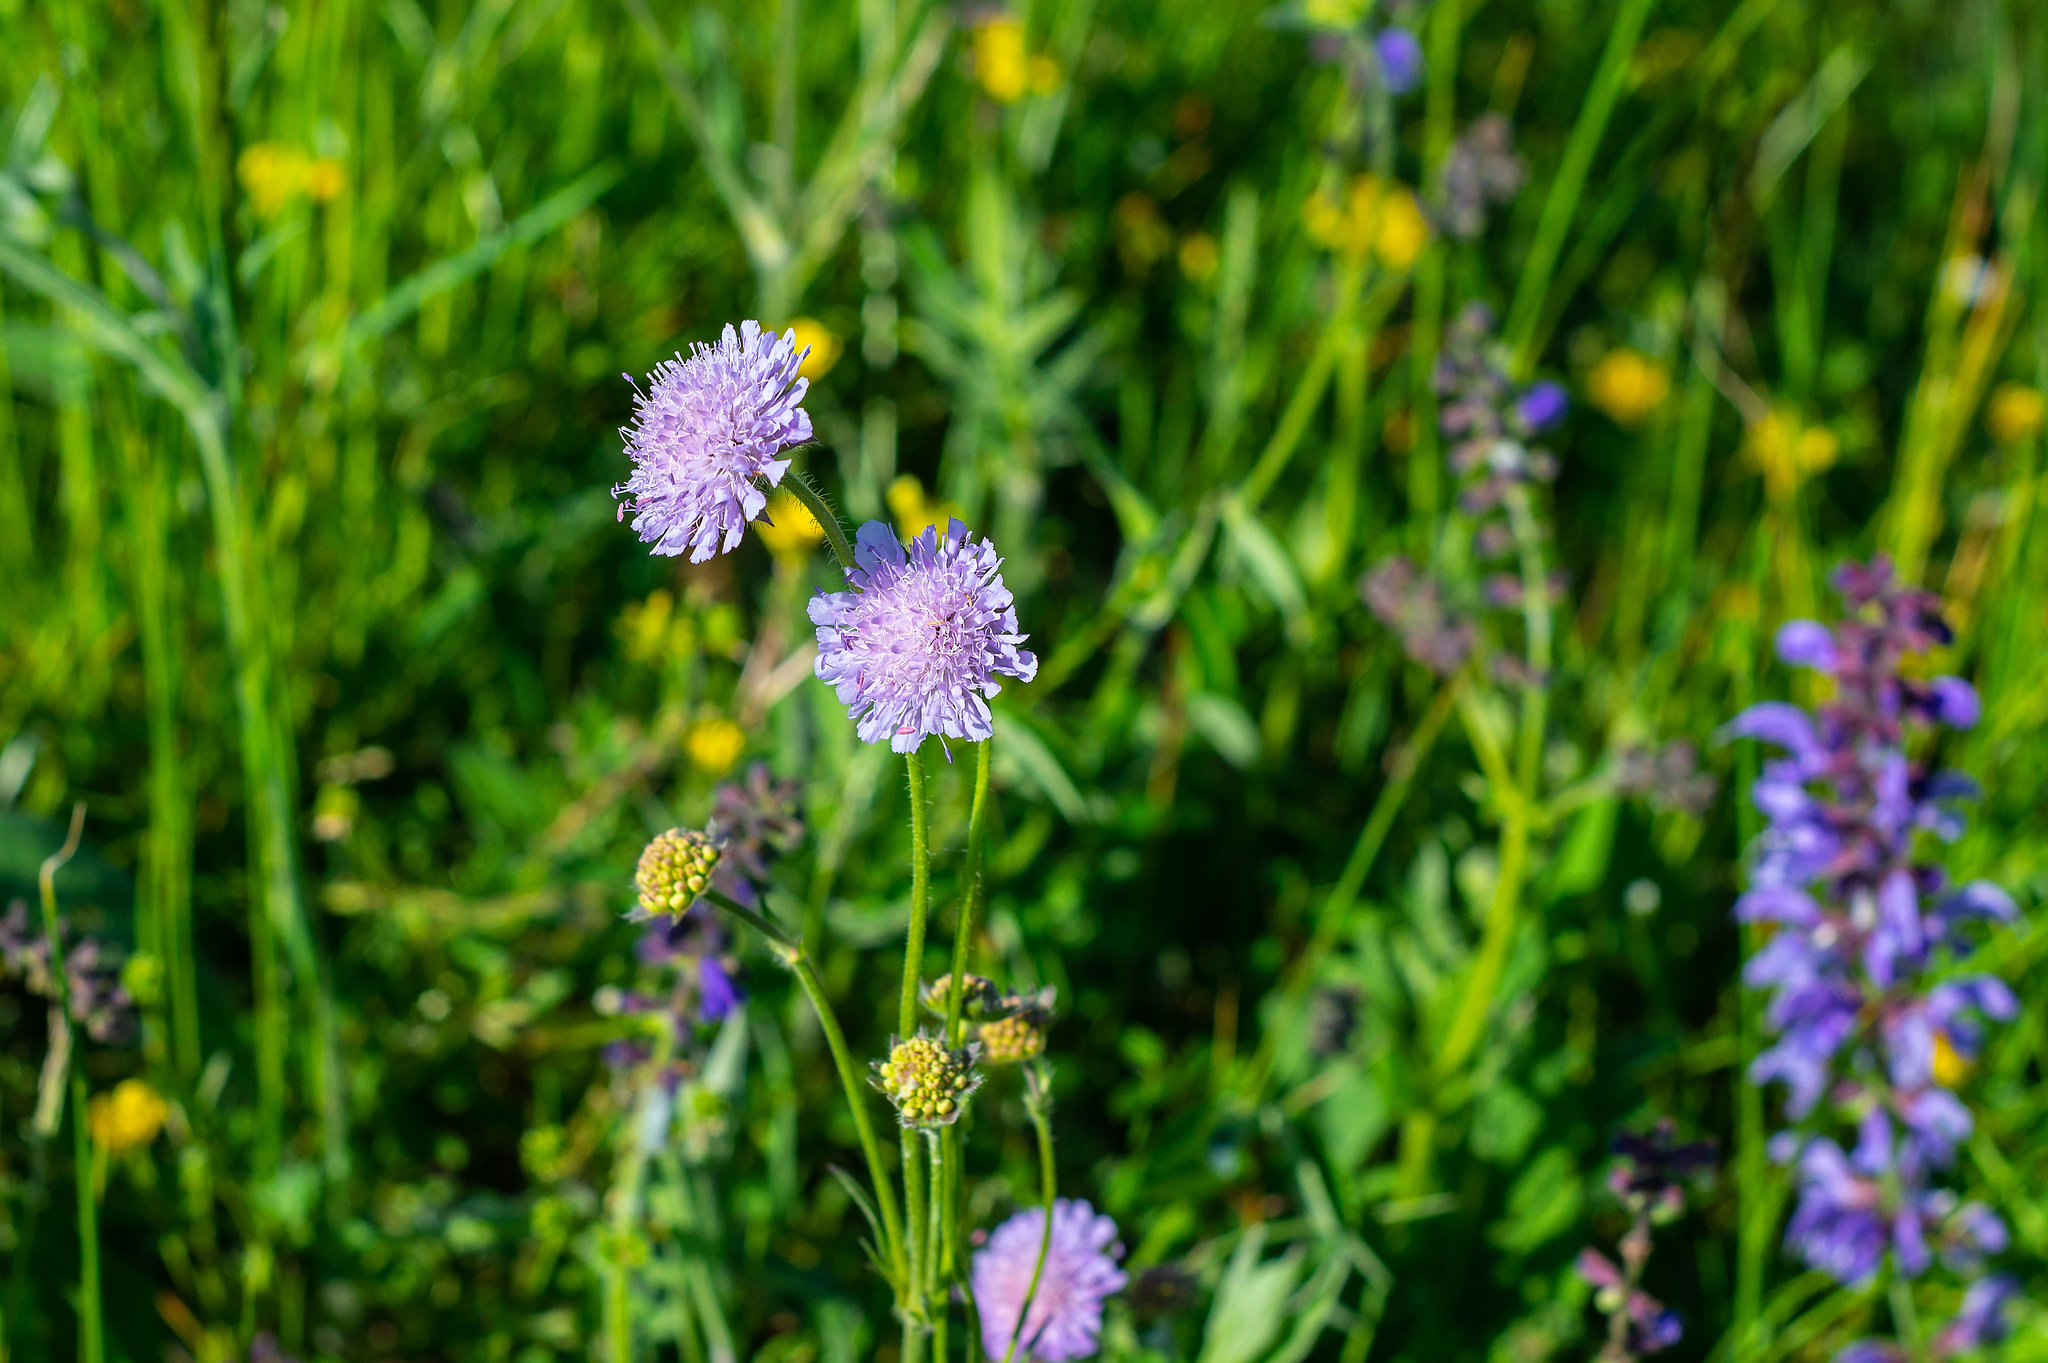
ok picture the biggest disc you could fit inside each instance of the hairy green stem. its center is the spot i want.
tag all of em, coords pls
(970, 898)
(1036, 1103)
(801, 488)
(920, 895)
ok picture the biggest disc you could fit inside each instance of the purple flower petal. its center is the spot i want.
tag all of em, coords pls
(1806, 643)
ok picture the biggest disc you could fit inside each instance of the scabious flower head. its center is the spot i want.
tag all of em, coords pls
(100, 1001)
(675, 868)
(706, 434)
(914, 651)
(1080, 1273)
(928, 1082)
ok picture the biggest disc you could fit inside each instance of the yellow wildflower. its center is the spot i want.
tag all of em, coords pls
(913, 510)
(1402, 230)
(1198, 256)
(644, 625)
(789, 529)
(126, 1119)
(825, 347)
(1628, 385)
(1788, 451)
(273, 175)
(1371, 218)
(715, 744)
(1949, 1068)
(2015, 413)
(1000, 62)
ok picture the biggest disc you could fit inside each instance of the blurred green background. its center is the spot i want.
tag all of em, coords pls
(312, 321)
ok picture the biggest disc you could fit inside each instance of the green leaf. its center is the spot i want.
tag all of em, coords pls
(1249, 1304)
(1543, 1204)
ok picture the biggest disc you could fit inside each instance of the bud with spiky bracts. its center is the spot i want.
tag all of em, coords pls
(928, 1082)
(1012, 1040)
(1016, 1032)
(978, 995)
(675, 871)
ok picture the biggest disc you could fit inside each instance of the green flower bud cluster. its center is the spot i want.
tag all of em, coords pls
(928, 1083)
(1014, 1039)
(675, 870)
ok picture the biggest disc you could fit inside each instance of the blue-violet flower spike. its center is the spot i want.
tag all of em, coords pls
(705, 436)
(915, 649)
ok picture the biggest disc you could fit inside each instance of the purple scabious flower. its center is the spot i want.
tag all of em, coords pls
(1399, 58)
(1065, 1320)
(705, 436)
(915, 649)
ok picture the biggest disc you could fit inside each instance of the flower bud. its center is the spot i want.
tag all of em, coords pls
(675, 870)
(928, 1083)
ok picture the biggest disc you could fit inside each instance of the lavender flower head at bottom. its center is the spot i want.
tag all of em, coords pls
(914, 651)
(705, 436)
(1065, 1320)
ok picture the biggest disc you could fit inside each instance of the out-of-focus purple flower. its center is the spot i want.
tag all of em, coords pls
(1668, 777)
(99, 1002)
(1080, 1273)
(1981, 1320)
(914, 651)
(1480, 413)
(759, 820)
(1652, 1326)
(1412, 604)
(1399, 58)
(1481, 171)
(707, 432)
(1542, 405)
(1655, 1167)
(717, 995)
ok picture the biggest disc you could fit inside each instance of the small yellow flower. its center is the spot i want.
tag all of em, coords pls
(913, 510)
(324, 180)
(715, 744)
(825, 347)
(1198, 257)
(789, 529)
(126, 1119)
(644, 626)
(1371, 218)
(1949, 1068)
(274, 174)
(2015, 413)
(1000, 62)
(1788, 451)
(1628, 385)
(1402, 231)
